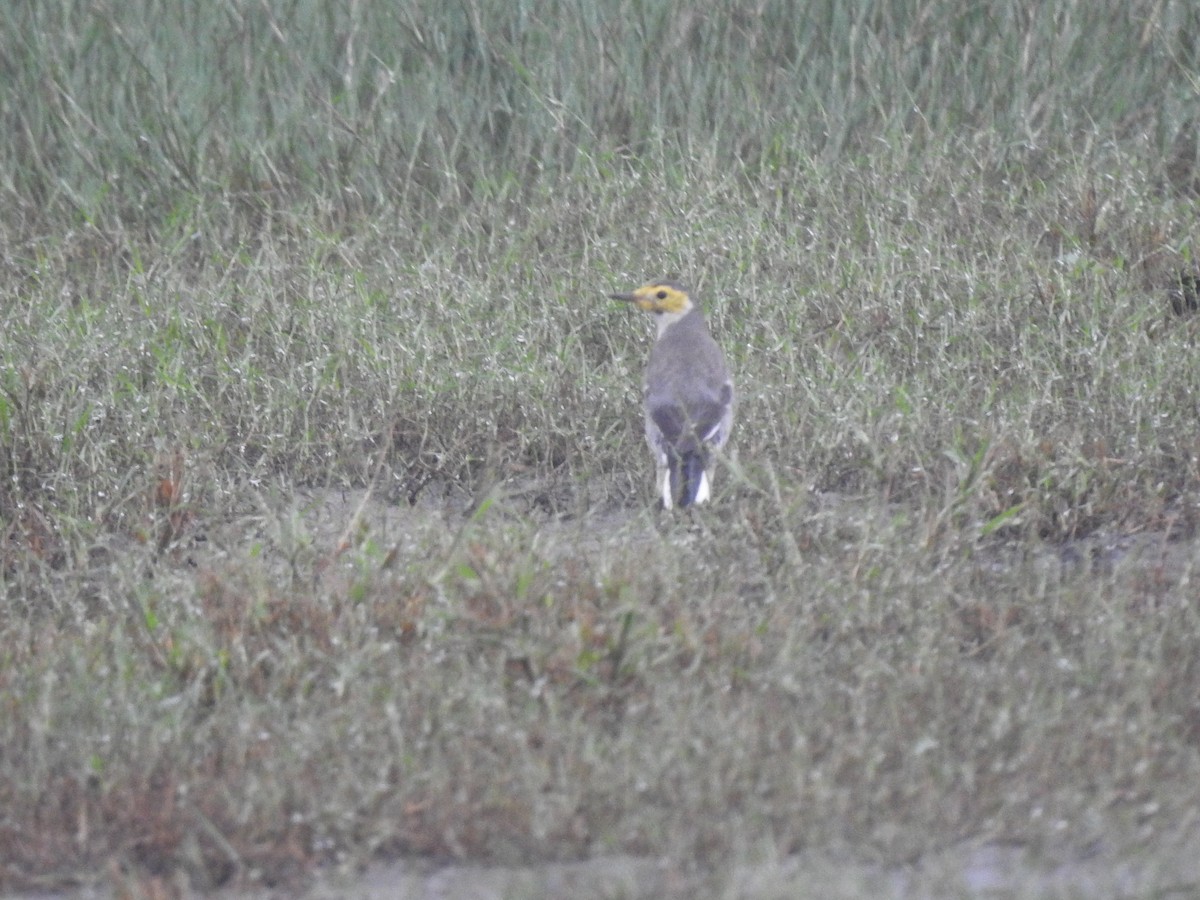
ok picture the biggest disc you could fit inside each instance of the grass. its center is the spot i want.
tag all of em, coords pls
(327, 525)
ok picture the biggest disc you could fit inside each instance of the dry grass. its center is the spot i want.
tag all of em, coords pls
(326, 526)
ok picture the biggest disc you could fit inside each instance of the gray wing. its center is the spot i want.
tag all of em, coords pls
(701, 416)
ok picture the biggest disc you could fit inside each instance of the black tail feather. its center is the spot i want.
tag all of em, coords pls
(686, 471)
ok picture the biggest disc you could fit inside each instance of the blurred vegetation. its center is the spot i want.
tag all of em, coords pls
(141, 112)
(324, 502)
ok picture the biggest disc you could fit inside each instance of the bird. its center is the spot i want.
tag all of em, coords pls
(688, 393)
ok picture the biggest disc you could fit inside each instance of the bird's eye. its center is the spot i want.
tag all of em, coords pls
(661, 295)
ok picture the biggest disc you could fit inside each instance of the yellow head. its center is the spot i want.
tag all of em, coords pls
(659, 297)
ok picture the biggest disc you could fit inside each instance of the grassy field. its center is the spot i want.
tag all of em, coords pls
(328, 528)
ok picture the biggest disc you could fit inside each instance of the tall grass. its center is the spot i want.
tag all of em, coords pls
(135, 111)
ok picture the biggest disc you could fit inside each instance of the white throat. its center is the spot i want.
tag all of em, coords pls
(665, 320)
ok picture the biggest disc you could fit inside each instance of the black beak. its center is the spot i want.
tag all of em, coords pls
(628, 298)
